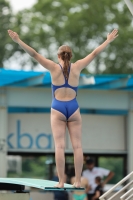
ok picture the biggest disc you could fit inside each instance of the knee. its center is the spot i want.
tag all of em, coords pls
(60, 147)
(77, 147)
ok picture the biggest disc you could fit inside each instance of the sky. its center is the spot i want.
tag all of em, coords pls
(13, 63)
(21, 4)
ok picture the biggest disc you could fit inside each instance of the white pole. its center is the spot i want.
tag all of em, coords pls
(121, 190)
(130, 133)
(124, 195)
(129, 5)
(130, 197)
(3, 133)
(115, 186)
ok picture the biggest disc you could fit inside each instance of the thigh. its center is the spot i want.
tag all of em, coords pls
(75, 128)
(58, 125)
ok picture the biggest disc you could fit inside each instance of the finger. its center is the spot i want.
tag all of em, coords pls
(10, 31)
(114, 31)
(116, 36)
(11, 34)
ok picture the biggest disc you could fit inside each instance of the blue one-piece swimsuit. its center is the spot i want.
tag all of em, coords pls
(67, 108)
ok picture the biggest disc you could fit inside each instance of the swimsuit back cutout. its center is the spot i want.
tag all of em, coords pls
(66, 85)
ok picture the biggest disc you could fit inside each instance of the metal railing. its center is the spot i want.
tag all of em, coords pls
(129, 5)
(127, 189)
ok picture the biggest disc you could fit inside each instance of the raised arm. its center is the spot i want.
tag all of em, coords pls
(48, 64)
(81, 64)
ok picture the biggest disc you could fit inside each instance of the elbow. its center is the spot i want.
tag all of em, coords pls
(94, 53)
(113, 174)
(34, 54)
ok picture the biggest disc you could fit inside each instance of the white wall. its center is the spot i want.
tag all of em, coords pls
(92, 99)
(103, 133)
(32, 133)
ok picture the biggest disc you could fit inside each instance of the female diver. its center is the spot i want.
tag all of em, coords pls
(64, 109)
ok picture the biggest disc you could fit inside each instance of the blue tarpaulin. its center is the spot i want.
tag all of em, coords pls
(32, 78)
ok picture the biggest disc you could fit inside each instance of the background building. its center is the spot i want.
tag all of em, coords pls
(106, 103)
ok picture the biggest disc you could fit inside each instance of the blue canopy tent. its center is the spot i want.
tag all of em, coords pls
(12, 78)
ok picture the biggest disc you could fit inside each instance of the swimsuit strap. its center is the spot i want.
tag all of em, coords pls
(62, 70)
(60, 66)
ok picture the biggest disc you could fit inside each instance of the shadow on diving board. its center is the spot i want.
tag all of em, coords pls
(18, 184)
(9, 186)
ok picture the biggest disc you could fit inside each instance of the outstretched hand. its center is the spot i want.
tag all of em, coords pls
(111, 36)
(13, 35)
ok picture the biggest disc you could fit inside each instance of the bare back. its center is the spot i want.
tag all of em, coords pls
(65, 94)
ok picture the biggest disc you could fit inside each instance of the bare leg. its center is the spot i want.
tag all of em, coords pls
(74, 127)
(85, 198)
(58, 125)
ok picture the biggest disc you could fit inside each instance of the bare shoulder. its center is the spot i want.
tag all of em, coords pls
(74, 65)
(55, 70)
(84, 62)
(74, 68)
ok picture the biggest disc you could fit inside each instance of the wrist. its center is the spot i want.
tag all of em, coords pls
(104, 183)
(108, 41)
(18, 41)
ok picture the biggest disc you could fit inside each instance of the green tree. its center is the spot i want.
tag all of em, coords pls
(82, 24)
(115, 164)
(32, 167)
(5, 20)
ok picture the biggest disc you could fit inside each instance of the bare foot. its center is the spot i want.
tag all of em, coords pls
(59, 185)
(77, 185)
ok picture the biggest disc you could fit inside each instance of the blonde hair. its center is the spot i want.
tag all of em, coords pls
(66, 53)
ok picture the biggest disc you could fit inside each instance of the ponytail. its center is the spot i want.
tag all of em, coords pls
(66, 53)
(66, 56)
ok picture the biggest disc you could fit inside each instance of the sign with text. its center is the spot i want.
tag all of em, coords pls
(29, 132)
(32, 133)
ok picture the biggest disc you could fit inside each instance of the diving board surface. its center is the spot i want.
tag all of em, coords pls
(38, 183)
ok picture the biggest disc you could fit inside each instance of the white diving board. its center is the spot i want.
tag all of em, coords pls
(35, 183)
